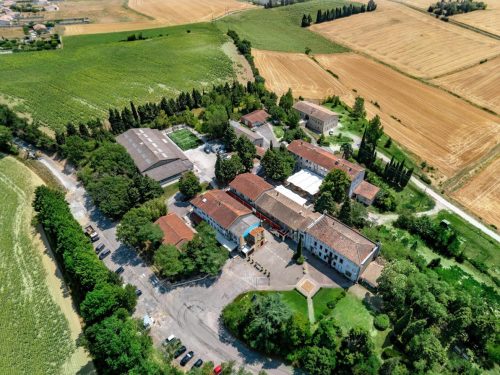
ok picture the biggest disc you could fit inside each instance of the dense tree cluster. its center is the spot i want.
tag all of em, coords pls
(245, 48)
(367, 153)
(278, 163)
(334, 189)
(200, 256)
(113, 338)
(227, 168)
(450, 8)
(432, 317)
(268, 325)
(396, 174)
(189, 185)
(336, 13)
(439, 237)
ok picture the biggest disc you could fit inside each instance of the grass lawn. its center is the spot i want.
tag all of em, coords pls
(279, 132)
(171, 190)
(185, 139)
(35, 333)
(321, 299)
(278, 29)
(95, 72)
(338, 139)
(296, 301)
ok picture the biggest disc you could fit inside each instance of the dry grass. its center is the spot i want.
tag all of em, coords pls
(481, 194)
(410, 41)
(447, 132)
(111, 15)
(296, 71)
(488, 20)
(479, 84)
(11, 32)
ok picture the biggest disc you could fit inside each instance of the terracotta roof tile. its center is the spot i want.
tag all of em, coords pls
(324, 158)
(175, 231)
(258, 115)
(366, 190)
(346, 241)
(250, 185)
(221, 207)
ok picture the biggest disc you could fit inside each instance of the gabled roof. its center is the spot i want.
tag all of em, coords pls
(284, 209)
(325, 159)
(175, 231)
(250, 185)
(221, 207)
(240, 129)
(314, 110)
(344, 240)
(366, 190)
(258, 115)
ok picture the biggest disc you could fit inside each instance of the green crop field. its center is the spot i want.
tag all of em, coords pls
(35, 337)
(185, 139)
(95, 72)
(278, 29)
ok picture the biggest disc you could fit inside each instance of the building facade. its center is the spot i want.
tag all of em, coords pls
(317, 118)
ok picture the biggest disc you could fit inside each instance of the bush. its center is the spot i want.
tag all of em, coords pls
(389, 353)
(381, 322)
(300, 260)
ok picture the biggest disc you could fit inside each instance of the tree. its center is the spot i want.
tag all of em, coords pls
(337, 183)
(292, 120)
(403, 322)
(104, 300)
(356, 355)
(114, 195)
(426, 349)
(246, 151)
(286, 101)
(325, 203)
(328, 334)
(135, 114)
(345, 214)
(215, 120)
(230, 138)
(278, 164)
(298, 252)
(75, 149)
(318, 361)
(358, 110)
(189, 184)
(169, 261)
(347, 150)
(227, 169)
(5, 138)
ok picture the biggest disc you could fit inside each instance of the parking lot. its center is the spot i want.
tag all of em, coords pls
(204, 163)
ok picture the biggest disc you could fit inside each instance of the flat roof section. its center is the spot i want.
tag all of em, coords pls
(306, 181)
(291, 195)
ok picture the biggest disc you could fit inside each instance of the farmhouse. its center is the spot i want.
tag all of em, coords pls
(249, 187)
(321, 162)
(317, 118)
(155, 155)
(175, 231)
(366, 193)
(255, 118)
(255, 137)
(231, 220)
(341, 247)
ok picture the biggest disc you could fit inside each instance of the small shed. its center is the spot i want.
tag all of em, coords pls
(147, 321)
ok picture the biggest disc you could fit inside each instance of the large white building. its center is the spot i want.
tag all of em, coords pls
(343, 248)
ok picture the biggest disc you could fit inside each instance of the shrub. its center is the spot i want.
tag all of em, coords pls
(381, 322)
(389, 353)
(300, 260)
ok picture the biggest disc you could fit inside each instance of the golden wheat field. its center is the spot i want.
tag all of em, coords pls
(481, 194)
(296, 71)
(411, 41)
(447, 132)
(479, 84)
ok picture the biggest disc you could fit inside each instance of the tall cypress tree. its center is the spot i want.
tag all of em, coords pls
(345, 214)
(319, 16)
(134, 113)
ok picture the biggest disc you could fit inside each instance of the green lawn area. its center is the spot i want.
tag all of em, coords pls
(171, 190)
(477, 245)
(35, 333)
(278, 29)
(321, 299)
(279, 132)
(185, 139)
(95, 72)
(338, 139)
(296, 301)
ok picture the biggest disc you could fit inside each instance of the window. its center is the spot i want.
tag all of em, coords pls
(315, 243)
(336, 257)
(321, 247)
(348, 273)
(341, 260)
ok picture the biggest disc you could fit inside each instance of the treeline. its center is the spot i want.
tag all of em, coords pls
(437, 236)
(439, 326)
(339, 12)
(451, 8)
(114, 339)
(278, 3)
(268, 325)
(245, 48)
(27, 45)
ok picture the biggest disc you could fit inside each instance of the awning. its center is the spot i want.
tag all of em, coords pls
(227, 244)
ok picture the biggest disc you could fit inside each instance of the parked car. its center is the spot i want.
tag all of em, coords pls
(90, 231)
(99, 248)
(217, 370)
(180, 351)
(120, 270)
(138, 292)
(198, 363)
(187, 358)
(170, 338)
(207, 149)
(104, 254)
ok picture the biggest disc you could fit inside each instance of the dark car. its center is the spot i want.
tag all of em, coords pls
(198, 363)
(99, 248)
(187, 358)
(138, 292)
(180, 351)
(104, 254)
(120, 270)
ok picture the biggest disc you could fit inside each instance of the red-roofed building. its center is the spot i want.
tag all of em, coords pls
(255, 118)
(366, 193)
(321, 162)
(175, 231)
(249, 187)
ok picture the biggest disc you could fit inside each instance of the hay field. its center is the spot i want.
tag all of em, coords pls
(36, 336)
(481, 194)
(441, 129)
(112, 15)
(479, 84)
(296, 71)
(413, 42)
